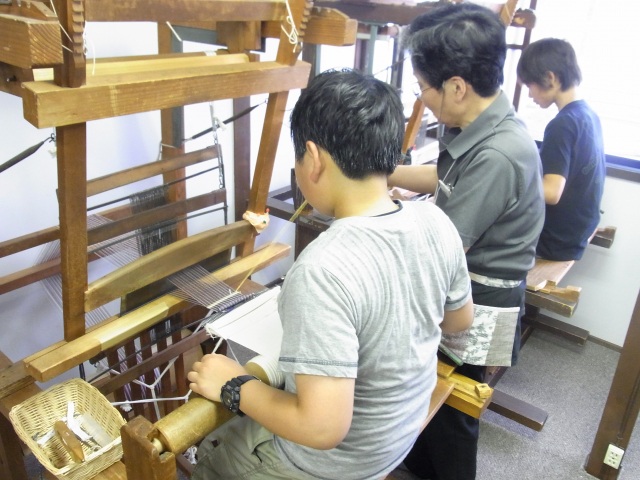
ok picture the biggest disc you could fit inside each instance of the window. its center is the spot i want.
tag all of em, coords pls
(603, 34)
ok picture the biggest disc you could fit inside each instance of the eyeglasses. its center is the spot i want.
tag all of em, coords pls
(417, 91)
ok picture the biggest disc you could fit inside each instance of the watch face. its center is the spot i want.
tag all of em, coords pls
(230, 393)
(226, 397)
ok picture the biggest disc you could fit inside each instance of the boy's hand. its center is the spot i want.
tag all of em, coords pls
(209, 375)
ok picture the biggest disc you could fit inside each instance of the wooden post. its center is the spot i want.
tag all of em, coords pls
(142, 459)
(72, 198)
(287, 55)
(72, 175)
(623, 403)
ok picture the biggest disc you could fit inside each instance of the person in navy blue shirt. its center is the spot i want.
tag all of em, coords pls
(572, 151)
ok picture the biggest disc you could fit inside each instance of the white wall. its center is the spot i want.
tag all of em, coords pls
(610, 278)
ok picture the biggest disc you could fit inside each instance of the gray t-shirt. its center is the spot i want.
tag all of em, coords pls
(365, 301)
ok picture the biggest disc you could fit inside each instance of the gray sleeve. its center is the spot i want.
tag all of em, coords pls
(319, 337)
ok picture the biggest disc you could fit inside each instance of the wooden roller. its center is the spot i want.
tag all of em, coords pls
(194, 420)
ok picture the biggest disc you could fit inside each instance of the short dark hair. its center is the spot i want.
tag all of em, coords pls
(458, 39)
(549, 55)
(356, 118)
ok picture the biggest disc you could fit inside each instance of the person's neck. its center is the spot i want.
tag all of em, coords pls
(476, 106)
(565, 98)
(365, 198)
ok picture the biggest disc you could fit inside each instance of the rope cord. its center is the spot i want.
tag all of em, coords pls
(25, 154)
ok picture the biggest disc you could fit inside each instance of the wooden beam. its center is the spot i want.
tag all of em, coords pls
(604, 237)
(547, 270)
(11, 78)
(72, 199)
(400, 12)
(165, 261)
(566, 330)
(57, 359)
(29, 43)
(72, 72)
(413, 125)
(106, 69)
(276, 105)
(548, 301)
(543, 291)
(148, 170)
(444, 388)
(15, 387)
(38, 272)
(142, 459)
(327, 26)
(465, 396)
(12, 465)
(117, 471)
(30, 240)
(507, 10)
(29, 35)
(184, 11)
(13, 377)
(241, 157)
(518, 411)
(378, 12)
(169, 212)
(46, 104)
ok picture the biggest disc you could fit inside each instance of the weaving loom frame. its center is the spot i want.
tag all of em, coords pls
(243, 28)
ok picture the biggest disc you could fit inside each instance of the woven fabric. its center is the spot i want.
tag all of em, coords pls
(489, 341)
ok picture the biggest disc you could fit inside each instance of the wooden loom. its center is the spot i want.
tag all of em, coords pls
(56, 88)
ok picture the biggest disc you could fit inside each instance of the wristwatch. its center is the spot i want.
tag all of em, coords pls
(230, 393)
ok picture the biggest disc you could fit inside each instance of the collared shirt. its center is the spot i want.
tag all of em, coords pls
(492, 173)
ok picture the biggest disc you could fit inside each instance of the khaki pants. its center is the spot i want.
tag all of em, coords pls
(242, 449)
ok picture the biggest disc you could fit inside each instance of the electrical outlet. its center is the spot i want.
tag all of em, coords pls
(613, 457)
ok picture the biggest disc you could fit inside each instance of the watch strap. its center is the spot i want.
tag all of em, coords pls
(231, 392)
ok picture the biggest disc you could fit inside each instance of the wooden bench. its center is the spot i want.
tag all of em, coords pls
(543, 292)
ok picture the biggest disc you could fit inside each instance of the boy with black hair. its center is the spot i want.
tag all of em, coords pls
(572, 151)
(488, 182)
(362, 308)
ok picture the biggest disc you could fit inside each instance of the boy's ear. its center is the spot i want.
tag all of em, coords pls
(316, 159)
(549, 79)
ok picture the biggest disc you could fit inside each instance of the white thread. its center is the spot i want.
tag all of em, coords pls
(53, 7)
(175, 34)
(190, 454)
(292, 36)
(126, 406)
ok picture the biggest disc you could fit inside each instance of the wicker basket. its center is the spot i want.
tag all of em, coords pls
(35, 417)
